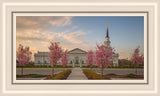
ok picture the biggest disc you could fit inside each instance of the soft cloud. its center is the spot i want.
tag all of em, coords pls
(41, 22)
(32, 31)
(66, 38)
(74, 37)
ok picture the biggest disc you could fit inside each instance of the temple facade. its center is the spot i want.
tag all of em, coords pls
(77, 57)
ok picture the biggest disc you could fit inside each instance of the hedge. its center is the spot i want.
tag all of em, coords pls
(131, 75)
(45, 66)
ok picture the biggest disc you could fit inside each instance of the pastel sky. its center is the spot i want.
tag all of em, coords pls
(126, 32)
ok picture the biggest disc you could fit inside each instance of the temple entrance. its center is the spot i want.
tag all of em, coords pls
(77, 62)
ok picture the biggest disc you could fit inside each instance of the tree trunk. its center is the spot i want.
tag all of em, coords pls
(52, 71)
(102, 72)
(22, 71)
(135, 68)
(90, 67)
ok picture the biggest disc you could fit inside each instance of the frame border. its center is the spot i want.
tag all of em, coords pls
(154, 91)
(12, 40)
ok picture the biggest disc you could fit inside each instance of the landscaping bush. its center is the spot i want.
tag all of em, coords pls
(111, 74)
(36, 75)
(19, 76)
(92, 75)
(93, 66)
(60, 66)
(45, 66)
(131, 75)
(62, 75)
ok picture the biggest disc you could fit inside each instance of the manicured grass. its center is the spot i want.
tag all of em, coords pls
(92, 75)
(95, 66)
(31, 75)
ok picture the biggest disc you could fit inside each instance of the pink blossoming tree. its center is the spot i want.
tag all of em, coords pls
(90, 58)
(64, 59)
(136, 58)
(55, 54)
(23, 56)
(103, 57)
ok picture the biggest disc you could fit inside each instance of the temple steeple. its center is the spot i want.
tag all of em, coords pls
(107, 35)
(107, 41)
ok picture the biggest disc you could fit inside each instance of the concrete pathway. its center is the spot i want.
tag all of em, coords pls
(77, 74)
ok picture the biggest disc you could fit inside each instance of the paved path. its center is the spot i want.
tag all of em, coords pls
(77, 74)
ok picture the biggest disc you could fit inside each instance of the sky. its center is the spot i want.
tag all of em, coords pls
(126, 32)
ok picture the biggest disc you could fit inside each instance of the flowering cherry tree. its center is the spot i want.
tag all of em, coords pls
(103, 57)
(23, 56)
(90, 58)
(64, 59)
(55, 54)
(136, 58)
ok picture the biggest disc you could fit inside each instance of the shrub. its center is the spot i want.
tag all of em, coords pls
(92, 75)
(36, 75)
(18, 75)
(87, 66)
(112, 74)
(62, 75)
(131, 75)
(77, 66)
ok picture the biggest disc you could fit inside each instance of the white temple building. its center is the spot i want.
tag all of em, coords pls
(77, 57)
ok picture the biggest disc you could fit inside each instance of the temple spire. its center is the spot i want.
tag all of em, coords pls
(107, 35)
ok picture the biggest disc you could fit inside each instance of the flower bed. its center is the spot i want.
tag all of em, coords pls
(91, 75)
(60, 76)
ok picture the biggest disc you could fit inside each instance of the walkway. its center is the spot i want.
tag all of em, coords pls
(77, 74)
